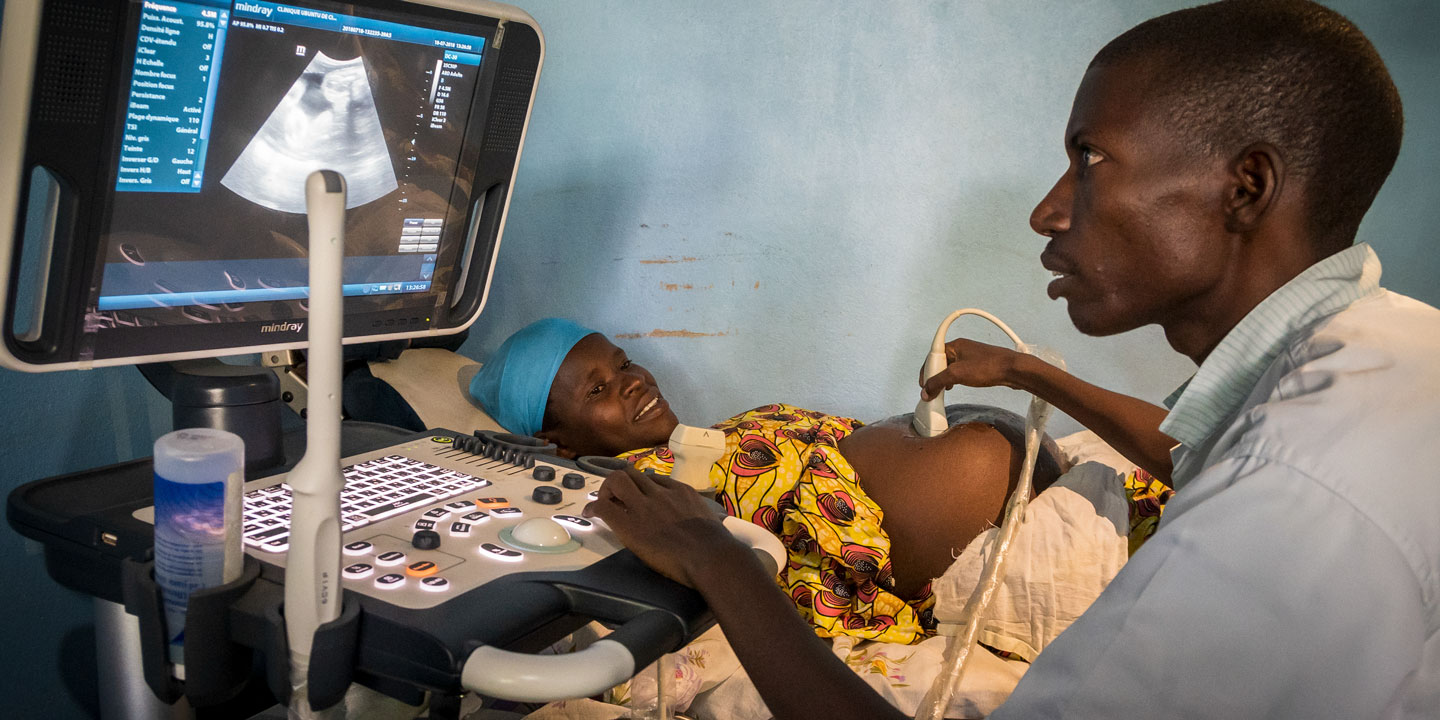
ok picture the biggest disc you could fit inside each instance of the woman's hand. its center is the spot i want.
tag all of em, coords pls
(973, 364)
(667, 525)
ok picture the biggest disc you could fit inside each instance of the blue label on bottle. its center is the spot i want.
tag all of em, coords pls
(189, 544)
(191, 508)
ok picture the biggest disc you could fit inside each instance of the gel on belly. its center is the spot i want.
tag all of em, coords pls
(199, 476)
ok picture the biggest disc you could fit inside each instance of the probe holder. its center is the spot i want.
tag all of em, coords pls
(332, 656)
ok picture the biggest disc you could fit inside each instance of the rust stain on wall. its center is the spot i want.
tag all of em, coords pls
(659, 333)
(757, 284)
(667, 260)
(672, 287)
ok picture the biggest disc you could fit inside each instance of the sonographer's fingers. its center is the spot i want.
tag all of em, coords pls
(970, 363)
(623, 485)
(665, 523)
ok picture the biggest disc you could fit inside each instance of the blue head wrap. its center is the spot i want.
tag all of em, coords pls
(514, 383)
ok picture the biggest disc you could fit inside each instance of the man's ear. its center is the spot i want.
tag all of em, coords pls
(1257, 178)
(561, 450)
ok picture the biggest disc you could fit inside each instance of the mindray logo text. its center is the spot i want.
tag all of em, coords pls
(250, 8)
(282, 327)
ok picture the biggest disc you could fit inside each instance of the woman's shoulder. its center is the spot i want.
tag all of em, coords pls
(784, 413)
(788, 421)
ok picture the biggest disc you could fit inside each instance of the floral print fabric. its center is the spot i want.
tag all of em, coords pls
(1146, 497)
(781, 470)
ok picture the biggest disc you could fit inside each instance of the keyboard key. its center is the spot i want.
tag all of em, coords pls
(390, 581)
(421, 568)
(574, 521)
(398, 506)
(358, 571)
(434, 583)
(500, 553)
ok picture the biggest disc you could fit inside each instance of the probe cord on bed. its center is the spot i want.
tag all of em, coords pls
(957, 652)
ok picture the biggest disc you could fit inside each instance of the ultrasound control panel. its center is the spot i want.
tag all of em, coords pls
(429, 519)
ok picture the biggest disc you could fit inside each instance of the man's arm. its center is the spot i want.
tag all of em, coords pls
(670, 528)
(1130, 425)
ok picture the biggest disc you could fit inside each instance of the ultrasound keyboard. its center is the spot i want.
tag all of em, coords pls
(432, 518)
(374, 490)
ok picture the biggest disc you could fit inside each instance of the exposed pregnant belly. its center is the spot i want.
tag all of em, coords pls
(937, 493)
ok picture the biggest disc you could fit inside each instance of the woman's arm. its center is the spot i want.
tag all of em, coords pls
(670, 528)
(1128, 424)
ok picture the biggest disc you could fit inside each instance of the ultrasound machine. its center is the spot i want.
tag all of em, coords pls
(154, 157)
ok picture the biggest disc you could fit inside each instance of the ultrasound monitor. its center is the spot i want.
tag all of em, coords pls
(155, 151)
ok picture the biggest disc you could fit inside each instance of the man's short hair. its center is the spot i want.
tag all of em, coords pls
(1287, 72)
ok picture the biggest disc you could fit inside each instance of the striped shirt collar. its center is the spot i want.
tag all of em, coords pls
(1230, 372)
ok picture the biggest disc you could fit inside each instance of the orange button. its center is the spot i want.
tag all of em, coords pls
(422, 568)
(490, 503)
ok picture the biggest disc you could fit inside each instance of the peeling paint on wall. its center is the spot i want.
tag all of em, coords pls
(658, 333)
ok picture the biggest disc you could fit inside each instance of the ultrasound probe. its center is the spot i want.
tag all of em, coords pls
(930, 414)
(312, 587)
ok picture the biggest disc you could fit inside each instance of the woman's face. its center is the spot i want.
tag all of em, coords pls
(603, 404)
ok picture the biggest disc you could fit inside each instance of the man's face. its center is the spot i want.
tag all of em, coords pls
(1136, 223)
(603, 404)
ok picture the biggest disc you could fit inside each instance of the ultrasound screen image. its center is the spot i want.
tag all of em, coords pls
(209, 206)
(326, 121)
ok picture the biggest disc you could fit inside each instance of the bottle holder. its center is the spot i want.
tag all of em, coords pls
(217, 668)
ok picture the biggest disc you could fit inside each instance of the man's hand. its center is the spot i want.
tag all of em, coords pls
(666, 524)
(973, 364)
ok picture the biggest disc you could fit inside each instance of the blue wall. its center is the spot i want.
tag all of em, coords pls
(782, 203)
(763, 201)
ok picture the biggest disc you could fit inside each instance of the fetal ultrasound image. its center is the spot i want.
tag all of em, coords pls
(289, 103)
(327, 120)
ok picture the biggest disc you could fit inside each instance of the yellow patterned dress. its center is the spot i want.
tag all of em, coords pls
(1146, 497)
(781, 471)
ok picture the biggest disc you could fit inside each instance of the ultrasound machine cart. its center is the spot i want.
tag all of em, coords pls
(152, 161)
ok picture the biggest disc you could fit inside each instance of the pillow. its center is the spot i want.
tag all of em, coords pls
(436, 384)
(1086, 446)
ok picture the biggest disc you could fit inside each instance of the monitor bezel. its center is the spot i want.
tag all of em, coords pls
(476, 238)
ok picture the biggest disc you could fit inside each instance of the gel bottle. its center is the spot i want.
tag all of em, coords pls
(199, 477)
